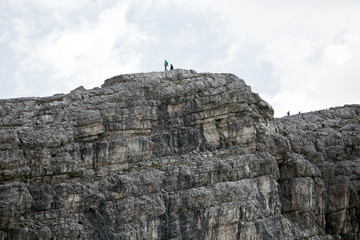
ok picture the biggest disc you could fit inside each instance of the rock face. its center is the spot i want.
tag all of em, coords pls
(176, 155)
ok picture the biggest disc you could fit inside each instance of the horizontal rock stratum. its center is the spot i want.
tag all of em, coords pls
(176, 155)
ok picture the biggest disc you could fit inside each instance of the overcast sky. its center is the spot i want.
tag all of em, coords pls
(299, 55)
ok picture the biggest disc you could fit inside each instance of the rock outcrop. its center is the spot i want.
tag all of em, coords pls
(176, 155)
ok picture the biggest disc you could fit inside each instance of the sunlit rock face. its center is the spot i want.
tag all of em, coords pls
(176, 155)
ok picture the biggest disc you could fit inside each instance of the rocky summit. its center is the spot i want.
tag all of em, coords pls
(176, 155)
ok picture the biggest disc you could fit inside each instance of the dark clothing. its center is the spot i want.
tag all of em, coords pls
(171, 67)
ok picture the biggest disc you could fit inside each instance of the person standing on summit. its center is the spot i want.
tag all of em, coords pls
(166, 64)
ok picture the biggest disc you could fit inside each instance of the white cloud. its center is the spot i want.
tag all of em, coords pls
(230, 57)
(308, 84)
(63, 5)
(86, 54)
(337, 53)
(187, 37)
(303, 54)
(4, 37)
(311, 47)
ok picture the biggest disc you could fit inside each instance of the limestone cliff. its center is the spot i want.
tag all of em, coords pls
(176, 155)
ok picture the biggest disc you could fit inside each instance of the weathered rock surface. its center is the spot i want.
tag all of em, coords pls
(176, 155)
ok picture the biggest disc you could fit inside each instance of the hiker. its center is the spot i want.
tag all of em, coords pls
(171, 67)
(166, 64)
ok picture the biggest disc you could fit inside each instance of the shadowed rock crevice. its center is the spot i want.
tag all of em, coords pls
(176, 155)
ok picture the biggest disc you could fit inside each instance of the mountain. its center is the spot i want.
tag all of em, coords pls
(176, 155)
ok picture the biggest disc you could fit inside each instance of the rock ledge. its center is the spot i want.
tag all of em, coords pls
(176, 155)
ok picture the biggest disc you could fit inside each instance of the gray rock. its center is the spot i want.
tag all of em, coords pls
(176, 155)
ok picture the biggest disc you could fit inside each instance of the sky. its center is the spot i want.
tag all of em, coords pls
(299, 55)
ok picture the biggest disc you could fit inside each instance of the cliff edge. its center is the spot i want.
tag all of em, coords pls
(176, 155)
